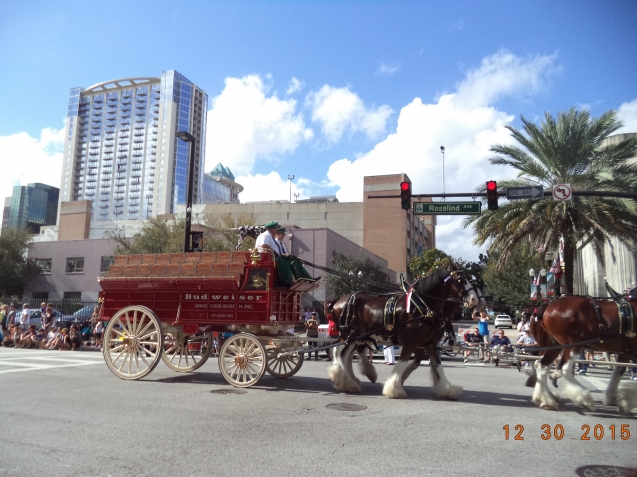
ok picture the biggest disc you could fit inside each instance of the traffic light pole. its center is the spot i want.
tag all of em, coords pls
(547, 193)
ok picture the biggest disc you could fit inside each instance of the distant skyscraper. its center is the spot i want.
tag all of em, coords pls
(219, 187)
(120, 149)
(32, 206)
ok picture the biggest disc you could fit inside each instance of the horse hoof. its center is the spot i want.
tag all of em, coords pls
(396, 394)
(548, 406)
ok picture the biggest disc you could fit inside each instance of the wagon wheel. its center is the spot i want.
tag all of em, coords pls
(133, 342)
(282, 366)
(184, 352)
(242, 360)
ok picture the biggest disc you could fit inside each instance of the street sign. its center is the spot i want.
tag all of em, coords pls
(562, 192)
(447, 208)
(530, 192)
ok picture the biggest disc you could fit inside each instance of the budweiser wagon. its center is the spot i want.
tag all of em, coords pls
(167, 306)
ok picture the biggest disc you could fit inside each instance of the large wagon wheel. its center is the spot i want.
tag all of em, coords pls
(282, 366)
(184, 352)
(133, 341)
(242, 360)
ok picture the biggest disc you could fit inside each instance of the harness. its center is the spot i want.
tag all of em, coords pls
(349, 312)
(389, 314)
(600, 318)
(625, 312)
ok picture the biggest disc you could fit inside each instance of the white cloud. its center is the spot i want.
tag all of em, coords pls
(387, 69)
(26, 159)
(459, 24)
(466, 124)
(296, 85)
(246, 123)
(627, 113)
(341, 111)
(260, 187)
(505, 74)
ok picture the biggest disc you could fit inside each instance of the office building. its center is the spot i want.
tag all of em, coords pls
(6, 211)
(219, 187)
(120, 149)
(32, 206)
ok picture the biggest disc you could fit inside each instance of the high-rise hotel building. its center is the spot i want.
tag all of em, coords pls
(120, 149)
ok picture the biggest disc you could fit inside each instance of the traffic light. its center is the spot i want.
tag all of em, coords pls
(405, 195)
(492, 195)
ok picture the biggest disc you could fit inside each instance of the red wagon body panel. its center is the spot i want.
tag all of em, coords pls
(242, 293)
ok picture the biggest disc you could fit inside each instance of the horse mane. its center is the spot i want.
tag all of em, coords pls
(427, 284)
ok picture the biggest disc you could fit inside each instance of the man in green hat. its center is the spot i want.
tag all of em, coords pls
(266, 241)
(298, 270)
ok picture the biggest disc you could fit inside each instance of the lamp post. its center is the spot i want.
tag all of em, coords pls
(148, 208)
(290, 179)
(532, 275)
(296, 196)
(187, 137)
(442, 150)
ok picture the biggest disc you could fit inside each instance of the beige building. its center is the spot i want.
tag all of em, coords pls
(378, 225)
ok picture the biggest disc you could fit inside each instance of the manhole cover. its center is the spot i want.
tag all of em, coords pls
(344, 406)
(229, 391)
(605, 471)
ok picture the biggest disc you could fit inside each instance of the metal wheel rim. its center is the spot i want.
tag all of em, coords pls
(284, 366)
(177, 355)
(132, 342)
(242, 360)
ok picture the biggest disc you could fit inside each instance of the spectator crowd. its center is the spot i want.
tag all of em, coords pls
(18, 332)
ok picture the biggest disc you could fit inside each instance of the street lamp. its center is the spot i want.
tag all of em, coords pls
(442, 150)
(532, 274)
(296, 196)
(543, 272)
(360, 274)
(290, 179)
(187, 137)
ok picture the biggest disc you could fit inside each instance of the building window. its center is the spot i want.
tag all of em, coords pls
(44, 264)
(106, 263)
(75, 265)
(41, 296)
(73, 295)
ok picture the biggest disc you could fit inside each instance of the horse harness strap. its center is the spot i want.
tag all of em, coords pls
(349, 312)
(625, 313)
(389, 314)
(600, 318)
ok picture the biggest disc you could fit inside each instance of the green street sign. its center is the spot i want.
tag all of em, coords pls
(447, 208)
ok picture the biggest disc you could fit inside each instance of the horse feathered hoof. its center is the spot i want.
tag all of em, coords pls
(393, 392)
(626, 399)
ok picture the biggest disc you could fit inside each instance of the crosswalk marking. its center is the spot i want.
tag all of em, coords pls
(18, 360)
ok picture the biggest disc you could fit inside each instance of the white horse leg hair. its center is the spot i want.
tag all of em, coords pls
(572, 389)
(541, 395)
(366, 367)
(341, 379)
(610, 396)
(350, 366)
(442, 386)
(626, 398)
(393, 386)
(411, 367)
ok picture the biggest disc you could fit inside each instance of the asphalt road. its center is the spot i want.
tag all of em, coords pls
(64, 413)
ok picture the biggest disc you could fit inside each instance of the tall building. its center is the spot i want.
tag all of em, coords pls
(6, 211)
(120, 149)
(219, 187)
(31, 206)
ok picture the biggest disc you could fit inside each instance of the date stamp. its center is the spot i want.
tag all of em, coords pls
(587, 432)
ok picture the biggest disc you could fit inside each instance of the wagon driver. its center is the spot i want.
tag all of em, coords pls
(266, 241)
(298, 270)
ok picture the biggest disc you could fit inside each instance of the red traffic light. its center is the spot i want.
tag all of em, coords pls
(405, 195)
(405, 186)
(492, 185)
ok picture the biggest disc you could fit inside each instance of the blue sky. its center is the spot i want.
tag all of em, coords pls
(328, 91)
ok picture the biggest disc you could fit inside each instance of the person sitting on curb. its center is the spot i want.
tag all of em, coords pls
(500, 344)
(75, 338)
(473, 339)
(9, 340)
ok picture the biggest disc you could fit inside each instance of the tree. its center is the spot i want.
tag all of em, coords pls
(428, 261)
(510, 283)
(157, 236)
(15, 269)
(568, 149)
(344, 263)
(167, 236)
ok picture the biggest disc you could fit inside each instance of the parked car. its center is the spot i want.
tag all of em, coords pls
(502, 321)
(35, 317)
(80, 316)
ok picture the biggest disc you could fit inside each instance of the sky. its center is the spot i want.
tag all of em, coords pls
(327, 91)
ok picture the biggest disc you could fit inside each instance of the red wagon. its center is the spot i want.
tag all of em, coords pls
(166, 306)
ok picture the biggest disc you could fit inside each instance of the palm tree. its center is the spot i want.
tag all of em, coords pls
(567, 150)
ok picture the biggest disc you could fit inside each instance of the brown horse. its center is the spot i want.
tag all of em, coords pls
(571, 320)
(416, 333)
